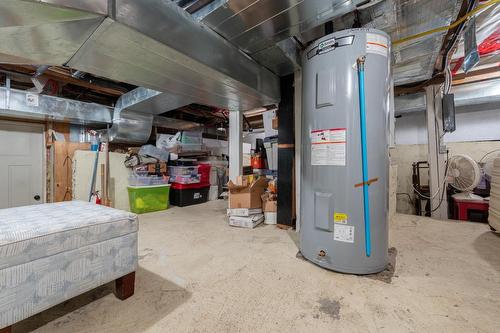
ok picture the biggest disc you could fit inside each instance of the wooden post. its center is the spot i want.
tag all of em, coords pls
(286, 152)
(436, 157)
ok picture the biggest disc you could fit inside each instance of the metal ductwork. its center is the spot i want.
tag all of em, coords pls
(27, 105)
(135, 112)
(168, 52)
(475, 94)
(262, 28)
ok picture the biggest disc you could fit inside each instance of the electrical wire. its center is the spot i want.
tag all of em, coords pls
(439, 187)
(451, 26)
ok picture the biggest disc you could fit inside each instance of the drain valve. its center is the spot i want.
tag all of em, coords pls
(322, 253)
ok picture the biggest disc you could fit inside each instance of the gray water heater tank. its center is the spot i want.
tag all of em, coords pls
(334, 229)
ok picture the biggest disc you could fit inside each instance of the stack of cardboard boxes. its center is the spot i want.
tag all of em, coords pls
(245, 203)
(251, 202)
(270, 207)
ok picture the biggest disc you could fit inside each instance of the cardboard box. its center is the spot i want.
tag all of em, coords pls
(243, 211)
(269, 203)
(242, 181)
(246, 196)
(271, 217)
(246, 221)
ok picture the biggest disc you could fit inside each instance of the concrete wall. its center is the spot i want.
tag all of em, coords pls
(404, 155)
(478, 132)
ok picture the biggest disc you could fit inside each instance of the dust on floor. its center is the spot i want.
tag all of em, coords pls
(197, 274)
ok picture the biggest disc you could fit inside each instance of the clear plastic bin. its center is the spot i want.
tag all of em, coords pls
(190, 179)
(183, 170)
(191, 137)
(187, 147)
(141, 180)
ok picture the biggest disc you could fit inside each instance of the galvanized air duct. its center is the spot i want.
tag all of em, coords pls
(129, 122)
(153, 44)
(473, 94)
(134, 113)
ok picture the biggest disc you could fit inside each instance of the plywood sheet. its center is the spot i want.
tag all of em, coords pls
(82, 174)
(63, 168)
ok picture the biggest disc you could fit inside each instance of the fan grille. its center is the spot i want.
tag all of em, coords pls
(463, 172)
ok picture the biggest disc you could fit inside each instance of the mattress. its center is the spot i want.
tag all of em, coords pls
(34, 232)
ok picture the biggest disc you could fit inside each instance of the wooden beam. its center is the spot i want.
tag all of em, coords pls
(478, 75)
(63, 75)
(459, 79)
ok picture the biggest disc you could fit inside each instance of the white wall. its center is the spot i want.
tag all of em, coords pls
(471, 125)
(477, 132)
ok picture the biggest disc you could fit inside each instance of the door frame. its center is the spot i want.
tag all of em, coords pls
(44, 150)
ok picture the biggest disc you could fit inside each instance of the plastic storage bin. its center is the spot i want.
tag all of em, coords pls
(145, 199)
(204, 172)
(141, 180)
(183, 170)
(185, 179)
(187, 147)
(192, 137)
(189, 194)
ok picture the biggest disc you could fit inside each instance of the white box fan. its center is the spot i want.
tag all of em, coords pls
(464, 174)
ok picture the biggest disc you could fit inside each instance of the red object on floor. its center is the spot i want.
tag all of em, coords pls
(462, 207)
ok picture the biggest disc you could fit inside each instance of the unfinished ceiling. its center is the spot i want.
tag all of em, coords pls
(256, 26)
(232, 51)
(116, 42)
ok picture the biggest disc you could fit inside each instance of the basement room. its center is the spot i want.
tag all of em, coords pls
(249, 166)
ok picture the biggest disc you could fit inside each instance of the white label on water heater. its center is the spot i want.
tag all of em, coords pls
(328, 147)
(343, 233)
(376, 44)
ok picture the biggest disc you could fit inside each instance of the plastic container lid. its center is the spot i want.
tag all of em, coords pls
(177, 186)
(149, 186)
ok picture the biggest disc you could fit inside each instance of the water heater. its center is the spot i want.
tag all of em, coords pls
(345, 161)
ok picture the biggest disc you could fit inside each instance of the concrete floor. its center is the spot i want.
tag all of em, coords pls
(197, 274)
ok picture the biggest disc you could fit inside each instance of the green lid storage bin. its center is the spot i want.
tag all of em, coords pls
(146, 199)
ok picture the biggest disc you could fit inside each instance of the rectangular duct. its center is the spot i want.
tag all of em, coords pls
(169, 51)
(479, 93)
(26, 105)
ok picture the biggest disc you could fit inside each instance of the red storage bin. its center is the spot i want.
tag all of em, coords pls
(204, 172)
(188, 194)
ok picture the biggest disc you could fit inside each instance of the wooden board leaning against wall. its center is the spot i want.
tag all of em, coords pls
(60, 162)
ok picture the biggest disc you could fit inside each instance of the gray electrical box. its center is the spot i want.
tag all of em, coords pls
(332, 232)
(448, 112)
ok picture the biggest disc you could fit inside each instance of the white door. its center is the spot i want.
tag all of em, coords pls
(21, 164)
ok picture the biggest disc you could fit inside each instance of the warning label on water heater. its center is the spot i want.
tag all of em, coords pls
(343, 233)
(376, 44)
(328, 147)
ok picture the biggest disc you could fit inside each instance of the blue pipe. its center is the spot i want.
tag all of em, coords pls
(94, 172)
(364, 158)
